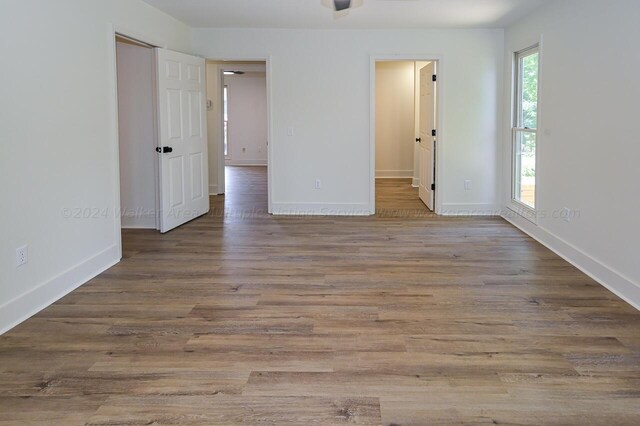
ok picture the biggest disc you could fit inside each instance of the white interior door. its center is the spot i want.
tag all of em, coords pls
(427, 125)
(184, 176)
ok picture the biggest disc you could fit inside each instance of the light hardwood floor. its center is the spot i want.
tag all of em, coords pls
(401, 319)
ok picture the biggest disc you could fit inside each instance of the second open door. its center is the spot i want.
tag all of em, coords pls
(426, 150)
(182, 126)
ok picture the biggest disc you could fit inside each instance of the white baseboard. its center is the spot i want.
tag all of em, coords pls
(623, 287)
(260, 163)
(416, 182)
(321, 209)
(30, 303)
(213, 190)
(147, 221)
(394, 174)
(471, 209)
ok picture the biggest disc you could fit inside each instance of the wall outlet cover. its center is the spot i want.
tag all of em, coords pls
(21, 255)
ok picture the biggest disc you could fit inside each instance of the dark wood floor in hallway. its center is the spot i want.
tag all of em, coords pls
(240, 317)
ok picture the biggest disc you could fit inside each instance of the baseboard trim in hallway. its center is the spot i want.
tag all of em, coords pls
(321, 209)
(471, 209)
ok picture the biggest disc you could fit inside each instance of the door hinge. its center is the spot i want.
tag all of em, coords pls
(434, 132)
(434, 77)
(433, 186)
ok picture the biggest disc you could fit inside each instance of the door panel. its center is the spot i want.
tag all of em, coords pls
(172, 69)
(184, 177)
(427, 125)
(196, 176)
(174, 114)
(195, 114)
(194, 73)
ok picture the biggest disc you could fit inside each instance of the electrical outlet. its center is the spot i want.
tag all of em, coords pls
(467, 185)
(565, 214)
(290, 131)
(318, 184)
(21, 256)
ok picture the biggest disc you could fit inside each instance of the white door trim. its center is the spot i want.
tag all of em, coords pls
(114, 30)
(440, 145)
(220, 138)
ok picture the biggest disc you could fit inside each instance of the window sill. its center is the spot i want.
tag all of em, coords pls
(523, 211)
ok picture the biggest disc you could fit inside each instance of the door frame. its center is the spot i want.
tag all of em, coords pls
(438, 152)
(112, 32)
(220, 131)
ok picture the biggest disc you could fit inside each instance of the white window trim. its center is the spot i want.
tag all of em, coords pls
(514, 205)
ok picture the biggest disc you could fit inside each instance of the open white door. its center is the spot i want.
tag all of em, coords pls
(427, 125)
(184, 176)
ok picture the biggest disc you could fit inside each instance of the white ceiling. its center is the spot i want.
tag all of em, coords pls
(369, 14)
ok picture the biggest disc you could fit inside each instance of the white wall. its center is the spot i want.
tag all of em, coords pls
(58, 135)
(588, 149)
(136, 129)
(320, 86)
(395, 119)
(247, 126)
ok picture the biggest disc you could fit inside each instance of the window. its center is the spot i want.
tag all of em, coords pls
(226, 122)
(525, 127)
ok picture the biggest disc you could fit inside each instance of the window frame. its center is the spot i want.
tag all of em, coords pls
(518, 128)
(225, 121)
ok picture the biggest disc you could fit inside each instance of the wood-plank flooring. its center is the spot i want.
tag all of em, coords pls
(397, 198)
(401, 319)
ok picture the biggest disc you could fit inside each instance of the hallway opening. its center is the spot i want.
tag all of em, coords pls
(238, 116)
(405, 127)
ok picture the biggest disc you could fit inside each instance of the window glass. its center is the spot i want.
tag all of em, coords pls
(529, 93)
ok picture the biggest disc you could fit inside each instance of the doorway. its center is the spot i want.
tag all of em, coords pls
(405, 136)
(238, 107)
(137, 134)
(162, 136)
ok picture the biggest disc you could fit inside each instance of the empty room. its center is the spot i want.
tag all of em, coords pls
(319, 212)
